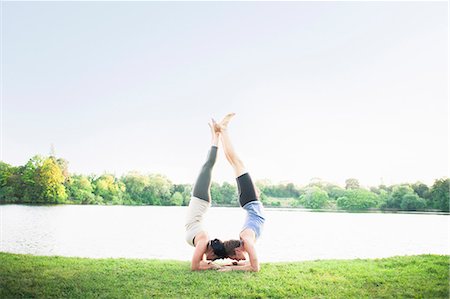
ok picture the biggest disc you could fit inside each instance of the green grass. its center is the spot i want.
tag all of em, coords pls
(424, 276)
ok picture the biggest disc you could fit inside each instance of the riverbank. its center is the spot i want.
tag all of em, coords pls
(61, 277)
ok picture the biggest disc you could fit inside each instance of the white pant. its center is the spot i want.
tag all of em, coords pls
(196, 209)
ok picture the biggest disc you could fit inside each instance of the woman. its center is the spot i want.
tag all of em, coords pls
(205, 250)
(243, 249)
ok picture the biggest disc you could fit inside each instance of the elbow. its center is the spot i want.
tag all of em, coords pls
(194, 268)
(255, 268)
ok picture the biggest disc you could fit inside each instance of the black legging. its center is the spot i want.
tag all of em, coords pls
(247, 192)
(203, 183)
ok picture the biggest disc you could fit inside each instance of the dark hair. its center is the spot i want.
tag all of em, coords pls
(218, 248)
(230, 246)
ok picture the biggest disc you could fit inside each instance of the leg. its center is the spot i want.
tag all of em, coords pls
(246, 188)
(202, 186)
(232, 157)
(201, 198)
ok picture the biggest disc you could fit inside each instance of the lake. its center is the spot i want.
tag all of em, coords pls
(158, 232)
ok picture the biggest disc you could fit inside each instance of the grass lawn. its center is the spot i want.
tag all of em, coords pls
(423, 276)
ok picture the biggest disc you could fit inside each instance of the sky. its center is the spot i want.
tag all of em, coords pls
(329, 90)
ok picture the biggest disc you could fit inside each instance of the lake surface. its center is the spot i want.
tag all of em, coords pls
(158, 232)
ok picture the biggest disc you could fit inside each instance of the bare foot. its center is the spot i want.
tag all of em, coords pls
(224, 123)
(214, 132)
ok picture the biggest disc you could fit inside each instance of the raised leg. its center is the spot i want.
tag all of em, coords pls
(230, 153)
(202, 185)
(246, 187)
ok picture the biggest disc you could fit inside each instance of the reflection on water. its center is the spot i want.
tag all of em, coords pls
(158, 232)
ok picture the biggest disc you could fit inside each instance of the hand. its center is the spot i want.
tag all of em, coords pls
(215, 266)
(225, 269)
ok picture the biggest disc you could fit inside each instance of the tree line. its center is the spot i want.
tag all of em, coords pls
(46, 180)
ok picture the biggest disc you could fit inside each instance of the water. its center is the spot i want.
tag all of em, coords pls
(158, 232)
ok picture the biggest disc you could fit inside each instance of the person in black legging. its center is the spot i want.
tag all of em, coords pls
(242, 250)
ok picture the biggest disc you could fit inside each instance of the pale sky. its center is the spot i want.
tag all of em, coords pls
(320, 89)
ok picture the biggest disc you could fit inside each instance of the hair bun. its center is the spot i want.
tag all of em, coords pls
(218, 248)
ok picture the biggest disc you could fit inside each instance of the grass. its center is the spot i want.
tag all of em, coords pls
(423, 276)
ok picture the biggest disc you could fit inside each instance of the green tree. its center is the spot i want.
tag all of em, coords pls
(186, 194)
(176, 199)
(80, 190)
(229, 194)
(421, 189)
(412, 202)
(51, 182)
(135, 184)
(8, 187)
(109, 189)
(30, 189)
(334, 191)
(351, 183)
(405, 198)
(357, 199)
(314, 198)
(439, 194)
(158, 190)
(216, 193)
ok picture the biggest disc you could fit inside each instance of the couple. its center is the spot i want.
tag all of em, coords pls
(241, 251)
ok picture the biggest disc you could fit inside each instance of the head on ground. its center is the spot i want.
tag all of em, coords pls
(232, 249)
(215, 250)
(235, 250)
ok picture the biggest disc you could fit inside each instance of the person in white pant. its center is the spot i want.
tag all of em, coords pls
(200, 201)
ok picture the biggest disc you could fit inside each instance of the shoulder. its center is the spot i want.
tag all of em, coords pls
(248, 236)
(201, 237)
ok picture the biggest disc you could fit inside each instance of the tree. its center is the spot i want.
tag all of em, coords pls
(135, 184)
(80, 190)
(439, 194)
(403, 197)
(51, 182)
(357, 199)
(30, 190)
(334, 191)
(64, 166)
(187, 194)
(176, 199)
(6, 190)
(216, 194)
(351, 183)
(396, 197)
(421, 189)
(229, 194)
(110, 189)
(412, 202)
(314, 198)
(157, 192)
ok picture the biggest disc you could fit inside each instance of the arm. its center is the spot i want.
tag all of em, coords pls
(199, 261)
(248, 237)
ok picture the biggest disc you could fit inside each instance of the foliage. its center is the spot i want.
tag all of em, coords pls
(440, 194)
(314, 198)
(351, 183)
(403, 197)
(357, 199)
(48, 180)
(51, 182)
(412, 202)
